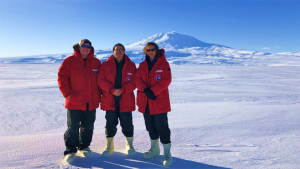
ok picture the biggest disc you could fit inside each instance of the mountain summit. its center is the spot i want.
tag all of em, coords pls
(171, 40)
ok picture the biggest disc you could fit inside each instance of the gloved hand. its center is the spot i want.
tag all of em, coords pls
(149, 93)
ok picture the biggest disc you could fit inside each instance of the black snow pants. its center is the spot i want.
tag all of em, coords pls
(80, 129)
(112, 117)
(157, 126)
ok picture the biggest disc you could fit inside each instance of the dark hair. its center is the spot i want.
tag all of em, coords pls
(118, 44)
(152, 44)
(85, 41)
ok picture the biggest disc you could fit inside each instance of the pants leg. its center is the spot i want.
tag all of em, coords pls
(126, 123)
(71, 135)
(111, 117)
(150, 124)
(86, 128)
(162, 127)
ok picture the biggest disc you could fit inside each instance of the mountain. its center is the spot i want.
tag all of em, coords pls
(171, 40)
(182, 49)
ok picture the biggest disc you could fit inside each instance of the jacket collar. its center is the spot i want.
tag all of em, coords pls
(160, 57)
(78, 55)
(112, 58)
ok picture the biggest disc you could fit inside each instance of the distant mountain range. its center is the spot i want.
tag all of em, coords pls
(182, 49)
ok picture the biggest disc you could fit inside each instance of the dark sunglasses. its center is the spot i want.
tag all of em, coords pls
(119, 50)
(88, 46)
(148, 50)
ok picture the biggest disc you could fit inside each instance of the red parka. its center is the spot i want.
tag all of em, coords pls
(78, 78)
(158, 81)
(106, 82)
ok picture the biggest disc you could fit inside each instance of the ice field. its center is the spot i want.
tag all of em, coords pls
(222, 117)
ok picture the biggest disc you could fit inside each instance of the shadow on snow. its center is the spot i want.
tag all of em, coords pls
(120, 160)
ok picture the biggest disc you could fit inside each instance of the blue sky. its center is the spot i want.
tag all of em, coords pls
(37, 27)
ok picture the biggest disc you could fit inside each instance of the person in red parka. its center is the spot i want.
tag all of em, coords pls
(152, 80)
(77, 81)
(116, 80)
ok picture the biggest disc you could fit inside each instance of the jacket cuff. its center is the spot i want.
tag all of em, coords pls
(122, 90)
(66, 95)
(112, 90)
(144, 88)
(154, 91)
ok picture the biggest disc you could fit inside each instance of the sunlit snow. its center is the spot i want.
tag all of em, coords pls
(230, 109)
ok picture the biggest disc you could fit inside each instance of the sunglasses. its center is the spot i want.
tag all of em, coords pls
(87, 46)
(119, 50)
(152, 50)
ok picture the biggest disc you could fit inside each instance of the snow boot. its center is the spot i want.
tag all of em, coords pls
(154, 151)
(129, 146)
(167, 155)
(86, 152)
(69, 158)
(109, 148)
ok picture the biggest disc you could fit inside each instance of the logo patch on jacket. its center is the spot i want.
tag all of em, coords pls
(128, 79)
(158, 77)
(95, 70)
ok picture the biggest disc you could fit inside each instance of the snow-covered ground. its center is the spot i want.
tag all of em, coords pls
(222, 117)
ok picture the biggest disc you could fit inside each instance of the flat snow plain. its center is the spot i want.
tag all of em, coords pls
(222, 117)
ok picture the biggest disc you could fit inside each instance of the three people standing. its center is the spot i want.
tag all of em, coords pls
(79, 77)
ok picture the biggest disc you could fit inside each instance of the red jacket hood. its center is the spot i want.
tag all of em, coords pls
(78, 55)
(161, 53)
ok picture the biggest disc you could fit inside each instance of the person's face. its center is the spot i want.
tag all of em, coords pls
(119, 52)
(151, 52)
(85, 49)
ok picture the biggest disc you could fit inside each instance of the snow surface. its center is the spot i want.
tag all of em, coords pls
(222, 117)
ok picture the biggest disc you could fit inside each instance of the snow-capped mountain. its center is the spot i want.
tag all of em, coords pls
(171, 41)
(181, 49)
